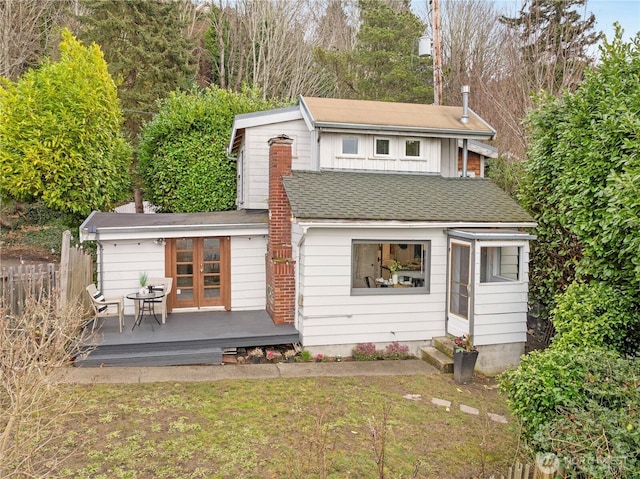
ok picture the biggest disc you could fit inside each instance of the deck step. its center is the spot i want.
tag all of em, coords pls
(437, 358)
(158, 357)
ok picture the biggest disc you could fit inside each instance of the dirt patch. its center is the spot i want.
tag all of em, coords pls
(16, 256)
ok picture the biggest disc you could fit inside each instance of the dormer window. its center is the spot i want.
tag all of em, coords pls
(412, 149)
(382, 146)
(349, 145)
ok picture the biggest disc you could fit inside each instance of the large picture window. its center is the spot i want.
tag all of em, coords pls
(499, 264)
(390, 268)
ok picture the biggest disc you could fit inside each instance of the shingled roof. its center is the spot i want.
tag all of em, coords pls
(401, 197)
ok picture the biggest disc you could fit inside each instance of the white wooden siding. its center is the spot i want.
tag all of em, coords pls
(123, 261)
(331, 154)
(328, 314)
(256, 158)
(248, 277)
(500, 309)
(449, 154)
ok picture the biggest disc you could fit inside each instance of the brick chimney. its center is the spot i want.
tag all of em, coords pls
(281, 288)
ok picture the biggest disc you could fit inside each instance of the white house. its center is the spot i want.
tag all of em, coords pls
(332, 197)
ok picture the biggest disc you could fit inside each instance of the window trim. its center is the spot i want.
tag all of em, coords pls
(375, 147)
(365, 291)
(495, 263)
(420, 156)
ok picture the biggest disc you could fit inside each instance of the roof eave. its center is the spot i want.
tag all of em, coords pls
(388, 224)
(86, 235)
(332, 127)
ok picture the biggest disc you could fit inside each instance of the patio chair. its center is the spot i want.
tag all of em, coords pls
(159, 305)
(104, 307)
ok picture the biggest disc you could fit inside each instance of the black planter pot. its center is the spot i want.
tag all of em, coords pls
(464, 362)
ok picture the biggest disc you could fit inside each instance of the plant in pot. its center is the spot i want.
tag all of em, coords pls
(290, 355)
(394, 268)
(465, 355)
(144, 277)
(256, 355)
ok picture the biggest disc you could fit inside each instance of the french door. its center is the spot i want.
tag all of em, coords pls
(200, 271)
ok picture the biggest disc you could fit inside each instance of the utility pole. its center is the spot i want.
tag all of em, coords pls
(437, 57)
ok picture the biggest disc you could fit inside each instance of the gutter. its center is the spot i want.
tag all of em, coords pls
(162, 229)
(410, 225)
(401, 131)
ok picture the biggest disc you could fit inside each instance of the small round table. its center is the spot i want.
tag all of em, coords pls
(146, 304)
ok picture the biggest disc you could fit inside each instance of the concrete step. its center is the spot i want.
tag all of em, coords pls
(444, 344)
(437, 358)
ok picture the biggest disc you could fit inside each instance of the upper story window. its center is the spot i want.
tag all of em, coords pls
(382, 146)
(349, 145)
(390, 268)
(412, 149)
(499, 264)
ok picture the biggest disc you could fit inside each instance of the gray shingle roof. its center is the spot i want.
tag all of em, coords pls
(131, 220)
(401, 197)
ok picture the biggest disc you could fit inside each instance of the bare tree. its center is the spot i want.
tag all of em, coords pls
(268, 43)
(34, 345)
(27, 32)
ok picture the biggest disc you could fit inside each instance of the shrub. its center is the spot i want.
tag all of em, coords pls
(594, 441)
(365, 352)
(553, 388)
(395, 350)
(596, 315)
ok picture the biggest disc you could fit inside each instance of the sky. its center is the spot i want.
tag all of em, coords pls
(626, 12)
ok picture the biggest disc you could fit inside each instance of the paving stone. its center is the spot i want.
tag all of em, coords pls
(497, 418)
(413, 397)
(469, 410)
(441, 402)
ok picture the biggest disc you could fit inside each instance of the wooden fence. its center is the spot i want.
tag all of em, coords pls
(69, 279)
(526, 471)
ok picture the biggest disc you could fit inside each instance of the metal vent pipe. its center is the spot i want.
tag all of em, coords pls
(465, 104)
(465, 119)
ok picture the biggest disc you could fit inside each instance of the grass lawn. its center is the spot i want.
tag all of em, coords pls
(285, 428)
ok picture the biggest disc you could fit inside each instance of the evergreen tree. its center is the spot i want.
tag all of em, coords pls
(146, 48)
(384, 64)
(554, 42)
(60, 134)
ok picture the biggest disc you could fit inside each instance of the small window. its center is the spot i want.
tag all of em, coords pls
(412, 148)
(499, 264)
(390, 268)
(382, 147)
(349, 145)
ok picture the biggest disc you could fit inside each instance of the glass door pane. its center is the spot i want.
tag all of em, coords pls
(211, 260)
(460, 275)
(185, 280)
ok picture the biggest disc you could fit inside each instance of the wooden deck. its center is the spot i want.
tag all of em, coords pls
(186, 338)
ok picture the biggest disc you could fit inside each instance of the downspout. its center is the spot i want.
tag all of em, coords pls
(465, 120)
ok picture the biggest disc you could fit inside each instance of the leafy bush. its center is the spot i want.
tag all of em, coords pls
(395, 350)
(60, 134)
(582, 178)
(183, 151)
(595, 441)
(593, 389)
(597, 315)
(365, 352)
